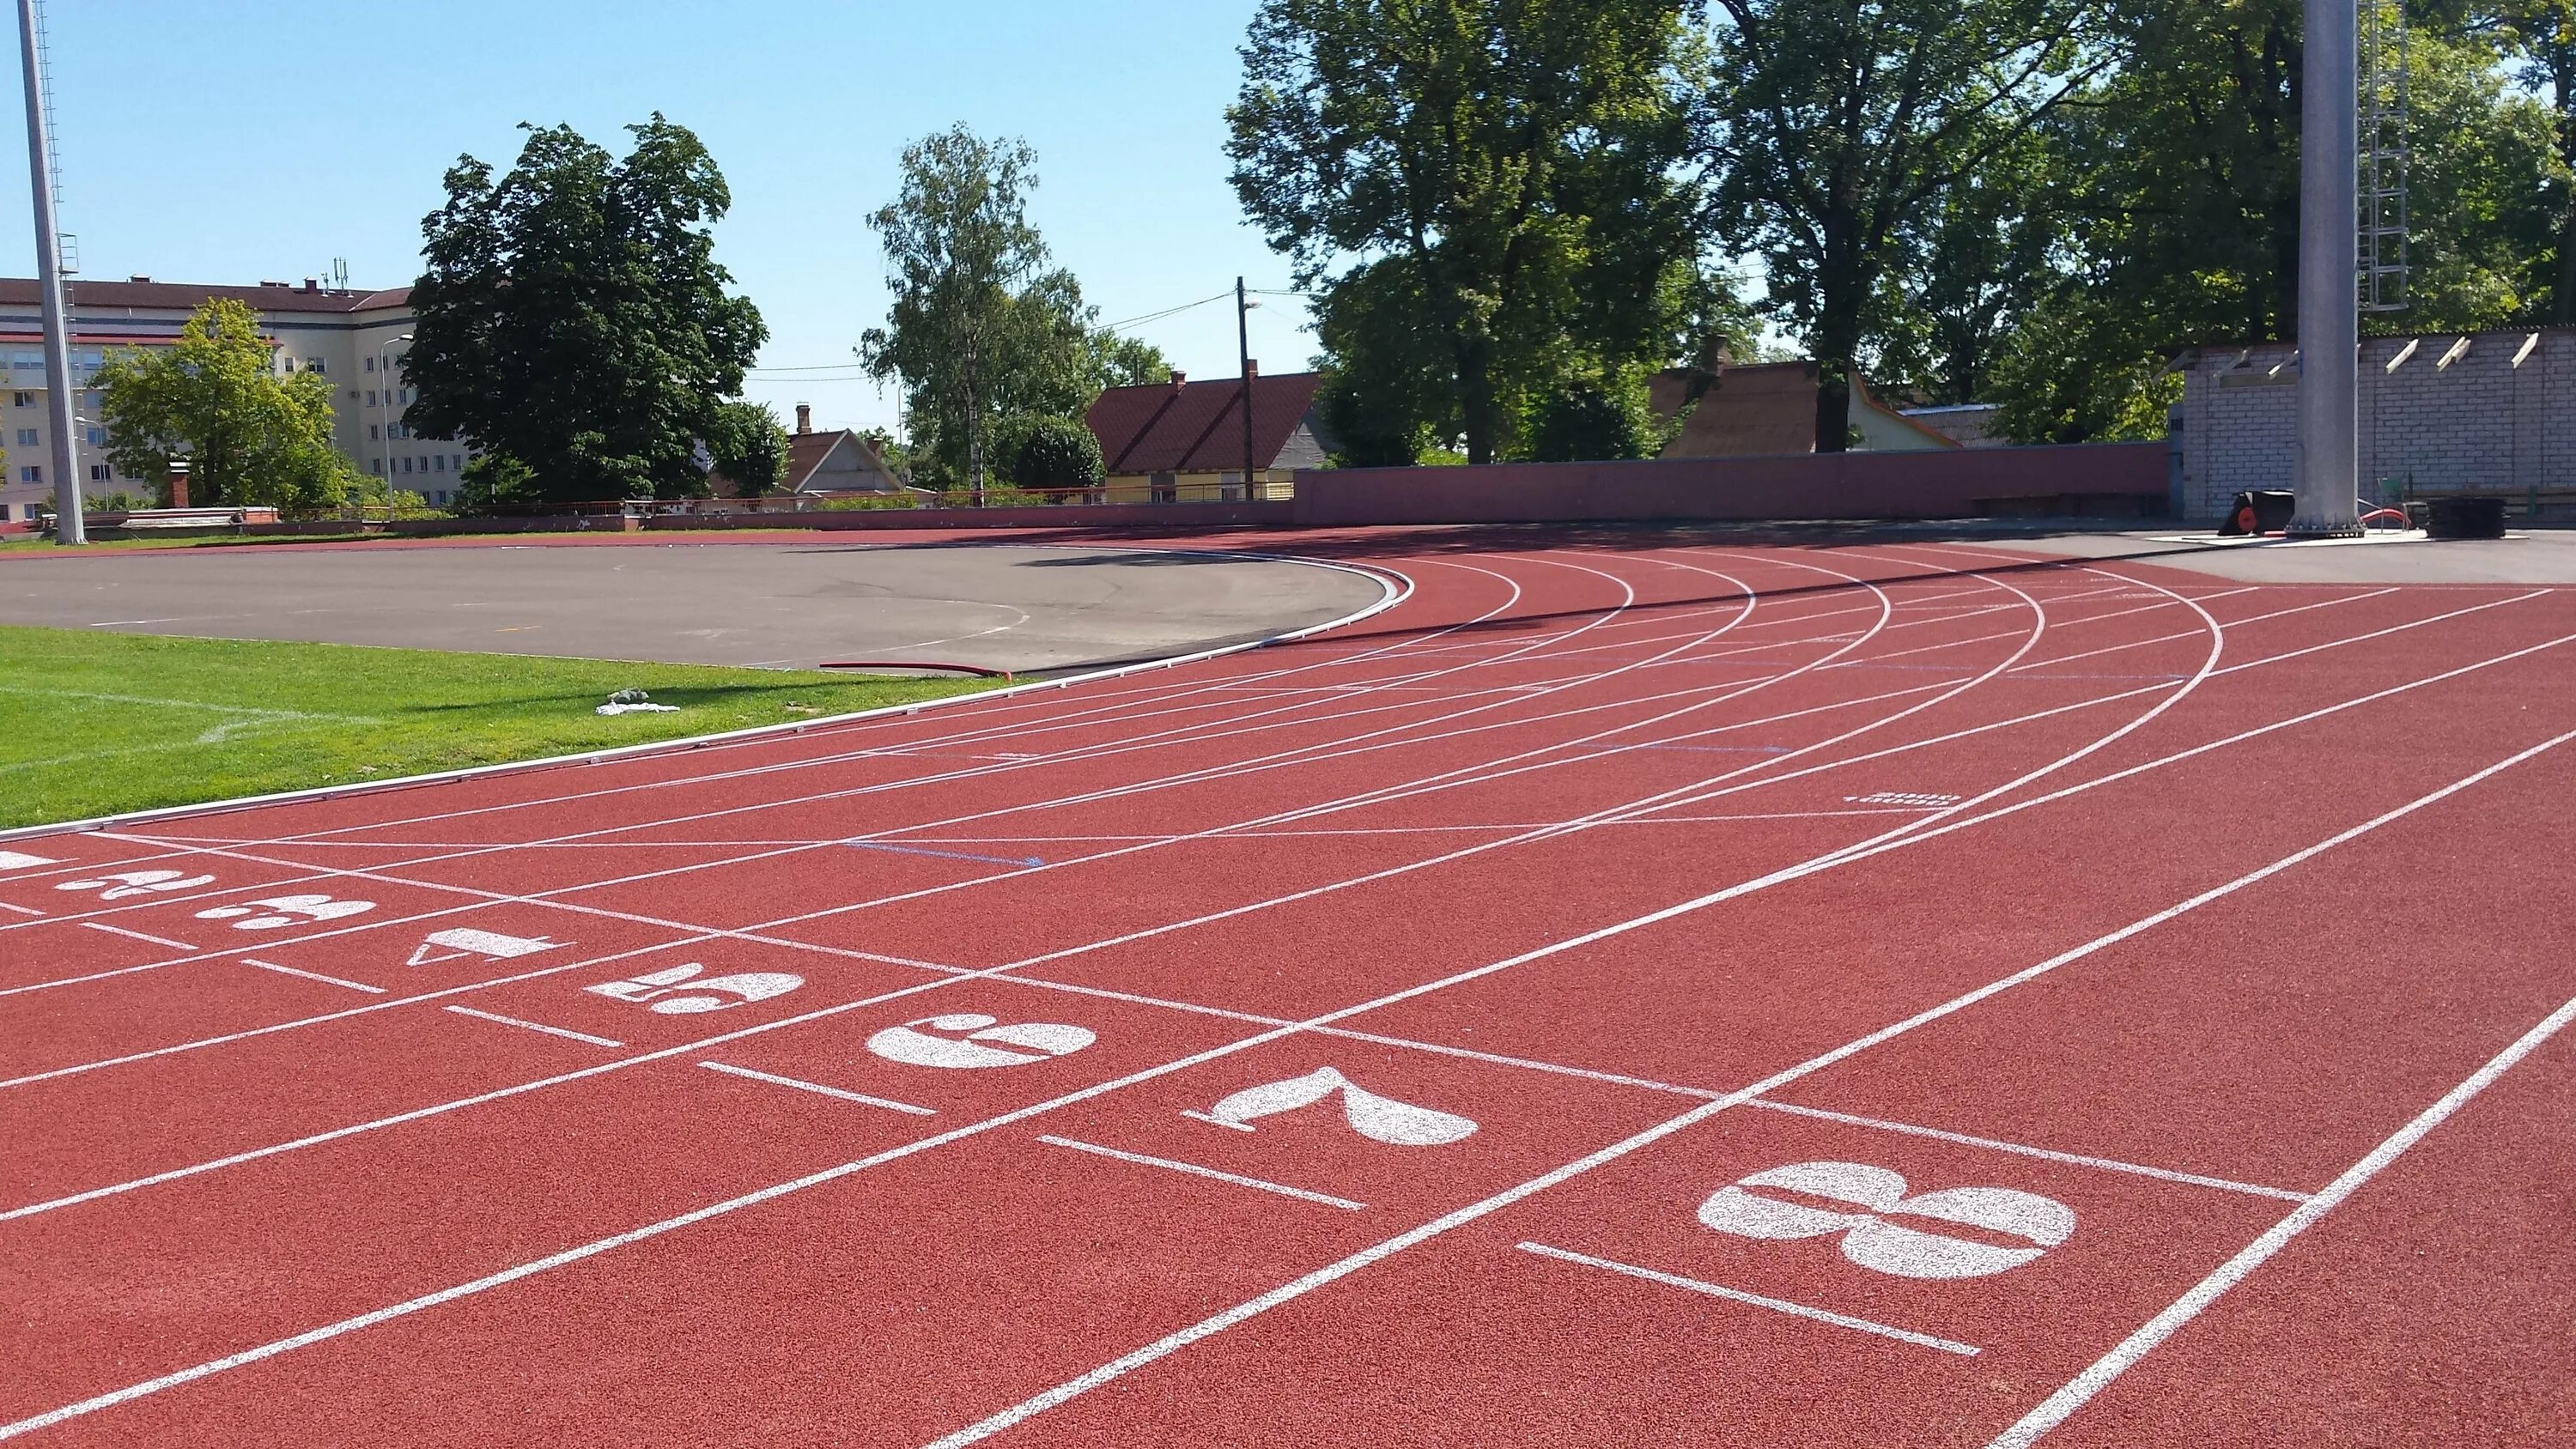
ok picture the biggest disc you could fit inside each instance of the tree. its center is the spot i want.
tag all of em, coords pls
(1057, 453)
(1486, 189)
(252, 437)
(1127, 361)
(980, 328)
(572, 317)
(749, 448)
(1836, 127)
(2176, 188)
(1591, 418)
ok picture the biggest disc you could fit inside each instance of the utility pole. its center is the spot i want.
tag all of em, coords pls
(1243, 305)
(68, 525)
(2329, 272)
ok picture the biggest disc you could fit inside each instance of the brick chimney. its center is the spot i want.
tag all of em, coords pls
(1252, 367)
(1179, 379)
(804, 417)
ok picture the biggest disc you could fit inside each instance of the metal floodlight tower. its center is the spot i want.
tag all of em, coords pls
(68, 526)
(2329, 300)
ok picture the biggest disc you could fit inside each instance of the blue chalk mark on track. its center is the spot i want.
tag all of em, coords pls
(1030, 860)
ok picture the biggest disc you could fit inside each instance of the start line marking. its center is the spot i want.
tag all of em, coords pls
(311, 975)
(535, 1026)
(819, 1089)
(1195, 1170)
(138, 935)
(1734, 1295)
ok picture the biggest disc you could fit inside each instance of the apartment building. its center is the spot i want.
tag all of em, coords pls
(355, 338)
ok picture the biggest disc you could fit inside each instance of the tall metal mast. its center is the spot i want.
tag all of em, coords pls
(2329, 303)
(68, 526)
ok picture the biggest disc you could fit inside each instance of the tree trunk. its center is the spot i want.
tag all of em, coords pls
(1833, 407)
(1476, 398)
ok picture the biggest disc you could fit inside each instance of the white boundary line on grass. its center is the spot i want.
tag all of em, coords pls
(1396, 587)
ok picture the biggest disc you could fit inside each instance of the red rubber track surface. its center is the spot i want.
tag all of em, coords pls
(1643, 990)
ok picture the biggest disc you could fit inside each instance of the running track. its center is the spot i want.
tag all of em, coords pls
(1649, 992)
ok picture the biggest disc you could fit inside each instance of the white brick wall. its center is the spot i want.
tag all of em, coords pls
(2479, 422)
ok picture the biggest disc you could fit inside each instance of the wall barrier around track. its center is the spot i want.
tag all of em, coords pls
(2097, 479)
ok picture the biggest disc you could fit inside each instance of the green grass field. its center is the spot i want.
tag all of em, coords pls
(93, 723)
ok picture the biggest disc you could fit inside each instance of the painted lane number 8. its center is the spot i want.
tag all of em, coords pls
(1864, 1203)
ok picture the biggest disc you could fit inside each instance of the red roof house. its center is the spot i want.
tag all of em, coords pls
(1180, 429)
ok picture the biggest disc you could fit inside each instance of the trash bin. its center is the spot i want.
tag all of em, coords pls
(2465, 518)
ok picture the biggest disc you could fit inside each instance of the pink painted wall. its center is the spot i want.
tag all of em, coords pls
(2113, 477)
(1102, 515)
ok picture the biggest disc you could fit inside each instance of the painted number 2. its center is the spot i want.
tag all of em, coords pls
(1864, 1199)
(679, 991)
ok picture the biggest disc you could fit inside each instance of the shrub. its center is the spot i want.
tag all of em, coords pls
(1057, 453)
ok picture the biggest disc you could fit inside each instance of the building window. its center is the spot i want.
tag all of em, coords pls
(439, 498)
(31, 475)
(22, 400)
(438, 462)
(371, 397)
(371, 364)
(100, 472)
(456, 461)
(406, 465)
(374, 432)
(376, 466)
(313, 364)
(97, 437)
(26, 437)
(285, 363)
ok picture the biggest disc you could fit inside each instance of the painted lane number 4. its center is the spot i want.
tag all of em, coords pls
(280, 911)
(680, 991)
(1863, 1201)
(124, 884)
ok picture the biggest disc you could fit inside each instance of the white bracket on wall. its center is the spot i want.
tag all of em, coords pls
(2458, 350)
(2404, 353)
(2530, 345)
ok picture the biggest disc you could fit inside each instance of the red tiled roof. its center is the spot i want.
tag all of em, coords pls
(1197, 427)
(1751, 411)
(187, 297)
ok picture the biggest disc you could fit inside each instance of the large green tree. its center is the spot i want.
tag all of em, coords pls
(251, 436)
(982, 327)
(1838, 129)
(572, 317)
(748, 448)
(2176, 188)
(1485, 194)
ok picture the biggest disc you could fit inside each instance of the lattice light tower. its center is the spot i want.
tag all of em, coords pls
(2386, 114)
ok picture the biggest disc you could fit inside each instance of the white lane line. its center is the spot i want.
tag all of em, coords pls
(2061, 1405)
(22, 910)
(1192, 1168)
(1330, 1273)
(1289, 1291)
(1737, 1295)
(817, 1088)
(137, 935)
(2107, 1164)
(535, 1026)
(311, 975)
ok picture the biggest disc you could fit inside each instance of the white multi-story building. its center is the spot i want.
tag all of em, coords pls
(357, 339)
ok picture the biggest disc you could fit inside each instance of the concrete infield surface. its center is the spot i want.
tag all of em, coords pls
(1632, 991)
(1020, 608)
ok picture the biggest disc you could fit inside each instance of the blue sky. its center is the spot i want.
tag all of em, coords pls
(262, 138)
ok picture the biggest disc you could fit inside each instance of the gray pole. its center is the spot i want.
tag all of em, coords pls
(68, 527)
(2329, 302)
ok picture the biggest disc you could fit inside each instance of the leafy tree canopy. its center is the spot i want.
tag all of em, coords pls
(748, 446)
(572, 317)
(1486, 194)
(1057, 453)
(982, 327)
(251, 436)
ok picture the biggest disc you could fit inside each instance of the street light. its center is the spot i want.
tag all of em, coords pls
(385, 370)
